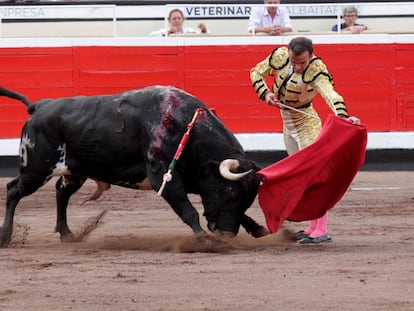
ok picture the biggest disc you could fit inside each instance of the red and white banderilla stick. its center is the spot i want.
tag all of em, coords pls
(168, 175)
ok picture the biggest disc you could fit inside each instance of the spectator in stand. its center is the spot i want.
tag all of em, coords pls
(176, 26)
(270, 20)
(350, 15)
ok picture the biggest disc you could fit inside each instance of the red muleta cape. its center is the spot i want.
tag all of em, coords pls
(305, 185)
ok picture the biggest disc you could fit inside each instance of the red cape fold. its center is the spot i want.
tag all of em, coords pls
(307, 184)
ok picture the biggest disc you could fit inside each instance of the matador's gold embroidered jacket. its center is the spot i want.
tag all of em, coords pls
(299, 89)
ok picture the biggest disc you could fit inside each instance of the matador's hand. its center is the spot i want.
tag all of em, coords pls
(271, 99)
(354, 120)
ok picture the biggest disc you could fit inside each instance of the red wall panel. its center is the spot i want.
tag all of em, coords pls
(376, 80)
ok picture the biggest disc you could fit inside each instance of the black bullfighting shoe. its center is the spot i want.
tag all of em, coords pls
(321, 239)
(300, 235)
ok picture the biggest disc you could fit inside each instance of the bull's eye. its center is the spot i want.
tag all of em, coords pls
(232, 192)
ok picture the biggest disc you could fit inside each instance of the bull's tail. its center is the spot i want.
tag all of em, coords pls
(23, 99)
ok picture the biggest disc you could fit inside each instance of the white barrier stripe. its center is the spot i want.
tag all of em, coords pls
(379, 38)
(272, 141)
(376, 188)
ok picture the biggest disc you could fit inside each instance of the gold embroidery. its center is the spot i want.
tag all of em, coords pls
(300, 89)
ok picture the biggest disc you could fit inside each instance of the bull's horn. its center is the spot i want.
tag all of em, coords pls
(227, 165)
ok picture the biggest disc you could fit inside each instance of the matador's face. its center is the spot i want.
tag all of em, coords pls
(299, 62)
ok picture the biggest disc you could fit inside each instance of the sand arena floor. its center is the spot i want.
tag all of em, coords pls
(140, 256)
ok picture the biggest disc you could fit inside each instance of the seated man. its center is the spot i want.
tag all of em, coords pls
(270, 20)
(350, 15)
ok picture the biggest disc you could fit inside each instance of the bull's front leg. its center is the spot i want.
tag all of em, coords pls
(185, 210)
(252, 227)
(178, 200)
(66, 186)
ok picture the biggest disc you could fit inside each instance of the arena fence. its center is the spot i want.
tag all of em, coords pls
(56, 55)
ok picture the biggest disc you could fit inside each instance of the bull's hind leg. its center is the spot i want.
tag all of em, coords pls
(18, 188)
(65, 187)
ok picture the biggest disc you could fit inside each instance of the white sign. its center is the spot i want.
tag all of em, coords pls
(57, 12)
(193, 11)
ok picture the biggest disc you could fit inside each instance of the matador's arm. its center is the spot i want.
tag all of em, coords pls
(258, 74)
(318, 75)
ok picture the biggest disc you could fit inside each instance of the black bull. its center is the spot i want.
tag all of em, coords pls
(129, 139)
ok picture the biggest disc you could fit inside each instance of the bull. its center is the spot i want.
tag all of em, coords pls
(129, 139)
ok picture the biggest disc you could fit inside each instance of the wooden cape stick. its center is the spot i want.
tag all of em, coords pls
(298, 110)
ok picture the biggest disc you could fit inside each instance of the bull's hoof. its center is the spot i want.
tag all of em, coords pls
(224, 235)
(67, 237)
(4, 242)
(211, 244)
(259, 232)
(206, 240)
(5, 237)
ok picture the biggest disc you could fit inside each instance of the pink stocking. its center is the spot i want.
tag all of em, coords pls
(321, 227)
(311, 227)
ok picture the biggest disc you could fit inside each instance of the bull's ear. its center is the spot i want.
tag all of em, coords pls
(246, 165)
(211, 168)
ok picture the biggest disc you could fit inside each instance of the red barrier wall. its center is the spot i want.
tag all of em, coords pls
(376, 80)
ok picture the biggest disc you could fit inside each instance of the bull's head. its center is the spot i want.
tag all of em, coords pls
(229, 188)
